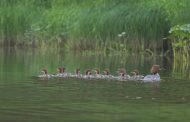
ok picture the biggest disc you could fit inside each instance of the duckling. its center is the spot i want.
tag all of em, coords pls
(65, 74)
(123, 75)
(77, 74)
(136, 75)
(60, 72)
(88, 74)
(44, 74)
(106, 72)
(106, 75)
(97, 74)
(154, 74)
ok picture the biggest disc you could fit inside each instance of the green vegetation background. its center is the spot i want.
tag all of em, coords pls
(90, 24)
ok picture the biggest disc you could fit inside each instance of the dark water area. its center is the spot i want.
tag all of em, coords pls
(25, 99)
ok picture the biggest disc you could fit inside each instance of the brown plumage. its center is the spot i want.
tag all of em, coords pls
(106, 72)
(97, 71)
(88, 72)
(155, 69)
(122, 72)
(135, 72)
(63, 70)
(45, 71)
(60, 70)
(78, 71)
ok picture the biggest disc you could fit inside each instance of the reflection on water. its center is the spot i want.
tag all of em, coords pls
(26, 99)
(29, 62)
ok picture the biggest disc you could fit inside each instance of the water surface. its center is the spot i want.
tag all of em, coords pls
(24, 99)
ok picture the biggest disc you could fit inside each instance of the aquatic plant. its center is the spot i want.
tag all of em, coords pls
(180, 39)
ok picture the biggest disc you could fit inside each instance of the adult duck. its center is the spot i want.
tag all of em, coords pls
(154, 77)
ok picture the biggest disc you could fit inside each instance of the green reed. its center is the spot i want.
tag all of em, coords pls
(90, 25)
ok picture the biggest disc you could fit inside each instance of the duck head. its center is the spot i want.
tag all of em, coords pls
(44, 71)
(88, 72)
(135, 72)
(106, 72)
(122, 72)
(59, 70)
(78, 71)
(97, 71)
(63, 70)
(155, 69)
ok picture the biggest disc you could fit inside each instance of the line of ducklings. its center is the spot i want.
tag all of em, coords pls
(95, 74)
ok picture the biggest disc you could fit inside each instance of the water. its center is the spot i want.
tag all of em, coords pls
(24, 99)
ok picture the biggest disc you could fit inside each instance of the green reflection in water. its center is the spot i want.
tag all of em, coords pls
(58, 100)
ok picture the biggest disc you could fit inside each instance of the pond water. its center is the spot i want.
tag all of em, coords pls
(24, 99)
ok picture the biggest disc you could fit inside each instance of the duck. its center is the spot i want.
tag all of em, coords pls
(97, 74)
(123, 76)
(77, 74)
(88, 74)
(106, 75)
(154, 77)
(136, 75)
(60, 72)
(64, 73)
(44, 74)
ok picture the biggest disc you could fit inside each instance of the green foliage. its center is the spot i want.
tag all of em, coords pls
(180, 36)
(181, 32)
(89, 24)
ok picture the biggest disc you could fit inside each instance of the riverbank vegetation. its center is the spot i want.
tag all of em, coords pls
(89, 24)
(180, 40)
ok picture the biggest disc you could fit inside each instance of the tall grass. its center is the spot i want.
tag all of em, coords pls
(89, 24)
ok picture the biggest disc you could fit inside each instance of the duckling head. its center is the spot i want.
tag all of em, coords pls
(44, 71)
(97, 71)
(78, 71)
(135, 72)
(122, 72)
(88, 72)
(59, 70)
(106, 72)
(63, 70)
